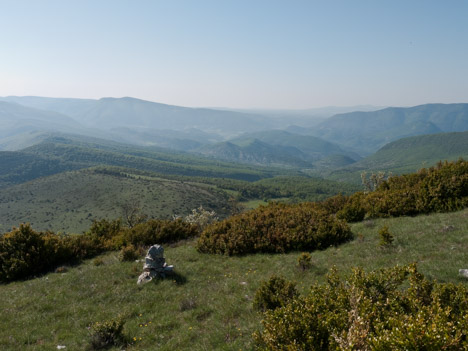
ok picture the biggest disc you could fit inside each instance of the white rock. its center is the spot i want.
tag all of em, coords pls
(463, 272)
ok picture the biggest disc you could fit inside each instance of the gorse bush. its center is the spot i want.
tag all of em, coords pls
(25, 253)
(438, 189)
(105, 231)
(156, 231)
(391, 309)
(275, 228)
(273, 293)
(128, 253)
(385, 237)
(106, 334)
(303, 261)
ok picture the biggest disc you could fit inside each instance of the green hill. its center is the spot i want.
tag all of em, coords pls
(280, 148)
(256, 152)
(208, 304)
(58, 154)
(366, 132)
(70, 201)
(408, 155)
(314, 148)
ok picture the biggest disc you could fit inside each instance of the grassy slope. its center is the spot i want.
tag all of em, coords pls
(408, 155)
(209, 304)
(70, 201)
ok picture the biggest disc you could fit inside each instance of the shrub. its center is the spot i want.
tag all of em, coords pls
(275, 228)
(274, 293)
(438, 189)
(128, 253)
(81, 246)
(106, 334)
(156, 231)
(104, 231)
(303, 261)
(25, 253)
(98, 261)
(390, 309)
(386, 238)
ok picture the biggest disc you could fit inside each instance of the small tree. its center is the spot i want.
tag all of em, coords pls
(375, 179)
(274, 293)
(201, 217)
(132, 213)
(303, 261)
(386, 238)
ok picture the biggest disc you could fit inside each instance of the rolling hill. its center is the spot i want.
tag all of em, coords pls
(408, 155)
(69, 201)
(315, 148)
(276, 147)
(366, 132)
(67, 152)
(256, 152)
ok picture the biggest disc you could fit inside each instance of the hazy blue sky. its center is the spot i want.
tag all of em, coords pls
(252, 53)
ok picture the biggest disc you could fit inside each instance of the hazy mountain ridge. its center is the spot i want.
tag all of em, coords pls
(366, 132)
(15, 119)
(332, 143)
(108, 113)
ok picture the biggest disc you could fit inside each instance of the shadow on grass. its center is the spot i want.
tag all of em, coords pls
(177, 278)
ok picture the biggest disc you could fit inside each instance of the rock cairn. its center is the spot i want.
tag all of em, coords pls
(155, 265)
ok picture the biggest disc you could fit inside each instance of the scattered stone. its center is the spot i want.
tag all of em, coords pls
(61, 269)
(60, 347)
(155, 265)
(463, 272)
(447, 228)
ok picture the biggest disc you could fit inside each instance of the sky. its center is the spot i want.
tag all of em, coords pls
(238, 53)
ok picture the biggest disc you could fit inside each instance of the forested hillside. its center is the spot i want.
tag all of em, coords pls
(407, 155)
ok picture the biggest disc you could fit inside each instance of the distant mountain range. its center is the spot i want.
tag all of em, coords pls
(366, 132)
(111, 113)
(308, 139)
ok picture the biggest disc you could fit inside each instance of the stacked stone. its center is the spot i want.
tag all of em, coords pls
(155, 265)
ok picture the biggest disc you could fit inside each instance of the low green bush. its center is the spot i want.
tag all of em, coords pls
(81, 246)
(155, 231)
(107, 334)
(25, 253)
(441, 188)
(275, 228)
(273, 293)
(303, 261)
(128, 253)
(390, 309)
(385, 237)
(105, 231)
